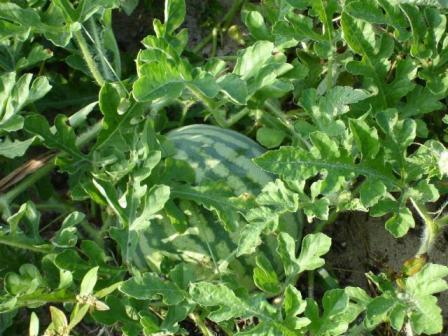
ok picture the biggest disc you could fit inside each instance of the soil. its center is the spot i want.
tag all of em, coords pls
(362, 244)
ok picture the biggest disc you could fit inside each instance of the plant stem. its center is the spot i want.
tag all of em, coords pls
(237, 117)
(311, 284)
(280, 115)
(210, 104)
(431, 228)
(98, 45)
(201, 324)
(57, 297)
(88, 58)
(408, 329)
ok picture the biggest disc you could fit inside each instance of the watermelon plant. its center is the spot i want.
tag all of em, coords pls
(190, 188)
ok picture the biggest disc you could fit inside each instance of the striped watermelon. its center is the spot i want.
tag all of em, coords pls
(215, 154)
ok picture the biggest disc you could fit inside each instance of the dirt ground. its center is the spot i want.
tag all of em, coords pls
(362, 244)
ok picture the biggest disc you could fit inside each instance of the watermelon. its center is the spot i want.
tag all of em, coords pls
(215, 154)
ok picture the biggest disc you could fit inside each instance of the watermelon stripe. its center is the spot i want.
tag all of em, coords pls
(227, 156)
(232, 138)
(234, 181)
(211, 139)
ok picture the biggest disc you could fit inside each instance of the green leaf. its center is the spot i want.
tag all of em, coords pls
(109, 101)
(421, 101)
(259, 219)
(434, 3)
(23, 16)
(67, 234)
(15, 95)
(379, 309)
(293, 303)
(337, 99)
(400, 223)
(218, 295)
(15, 148)
(277, 196)
(313, 247)
(109, 193)
(27, 281)
(367, 10)
(265, 277)
(34, 325)
(206, 85)
(58, 319)
(64, 138)
(427, 316)
(371, 192)
(80, 311)
(149, 286)
(253, 58)
(286, 249)
(254, 21)
(338, 313)
(295, 163)
(158, 80)
(214, 198)
(154, 201)
(366, 138)
(234, 88)
(26, 220)
(360, 37)
(174, 14)
(89, 281)
(428, 281)
(270, 137)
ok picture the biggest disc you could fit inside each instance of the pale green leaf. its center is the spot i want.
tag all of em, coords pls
(253, 58)
(279, 197)
(366, 138)
(174, 14)
(371, 192)
(293, 303)
(259, 219)
(58, 318)
(64, 138)
(149, 286)
(313, 247)
(400, 223)
(89, 281)
(265, 277)
(234, 88)
(218, 295)
(270, 137)
(34, 325)
(428, 281)
(286, 249)
(14, 148)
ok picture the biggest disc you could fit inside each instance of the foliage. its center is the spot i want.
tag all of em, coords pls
(137, 220)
